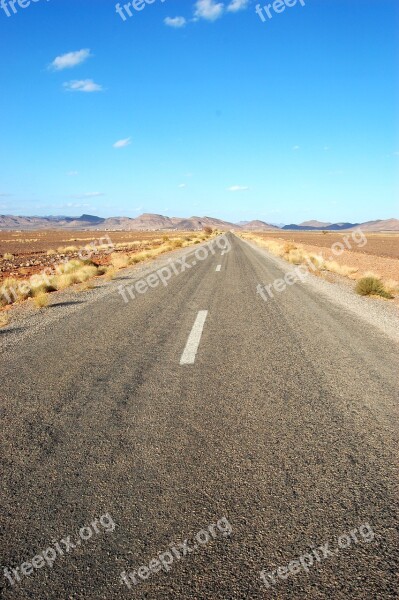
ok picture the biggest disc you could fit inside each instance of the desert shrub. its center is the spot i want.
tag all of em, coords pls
(295, 256)
(86, 272)
(372, 286)
(208, 230)
(43, 287)
(12, 290)
(317, 261)
(289, 247)
(110, 273)
(65, 280)
(8, 256)
(119, 260)
(41, 300)
(139, 257)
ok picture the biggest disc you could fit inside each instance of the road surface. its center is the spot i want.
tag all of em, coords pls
(257, 431)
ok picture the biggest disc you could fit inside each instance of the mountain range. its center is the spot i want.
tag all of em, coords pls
(154, 222)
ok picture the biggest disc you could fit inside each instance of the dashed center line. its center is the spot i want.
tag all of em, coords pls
(190, 351)
(218, 267)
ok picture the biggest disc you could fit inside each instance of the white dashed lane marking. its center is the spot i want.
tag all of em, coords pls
(190, 351)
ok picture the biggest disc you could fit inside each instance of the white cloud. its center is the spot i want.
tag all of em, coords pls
(236, 5)
(175, 21)
(71, 59)
(182, 185)
(123, 143)
(295, 148)
(72, 173)
(238, 188)
(84, 85)
(208, 9)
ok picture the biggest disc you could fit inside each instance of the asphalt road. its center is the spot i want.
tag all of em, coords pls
(198, 404)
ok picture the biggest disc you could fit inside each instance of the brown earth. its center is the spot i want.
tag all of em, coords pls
(29, 249)
(379, 255)
(378, 244)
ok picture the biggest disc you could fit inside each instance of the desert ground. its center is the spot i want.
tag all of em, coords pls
(379, 255)
(23, 254)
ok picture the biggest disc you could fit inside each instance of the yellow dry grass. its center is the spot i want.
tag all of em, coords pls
(41, 300)
(77, 271)
(4, 319)
(297, 255)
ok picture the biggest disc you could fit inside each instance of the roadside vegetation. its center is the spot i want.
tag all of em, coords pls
(4, 319)
(368, 284)
(373, 286)
(76, 271)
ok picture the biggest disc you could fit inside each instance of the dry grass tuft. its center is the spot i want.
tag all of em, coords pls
(110, 273)
(372, 286)
(119, 260)
(4, 319)
(8, 256)
(86, 272)
(41, 300)
(64, 281)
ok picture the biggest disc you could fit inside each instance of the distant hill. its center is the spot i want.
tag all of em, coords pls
(387, 225)
(330, 227)
(381, 225)
(154, 222)
(259, 226)
(145, 222)
(314, 224)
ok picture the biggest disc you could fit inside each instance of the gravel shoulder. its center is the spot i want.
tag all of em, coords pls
(26, 320)
(377, 312)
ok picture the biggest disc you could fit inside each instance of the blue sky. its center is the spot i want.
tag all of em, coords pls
(285, 120)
